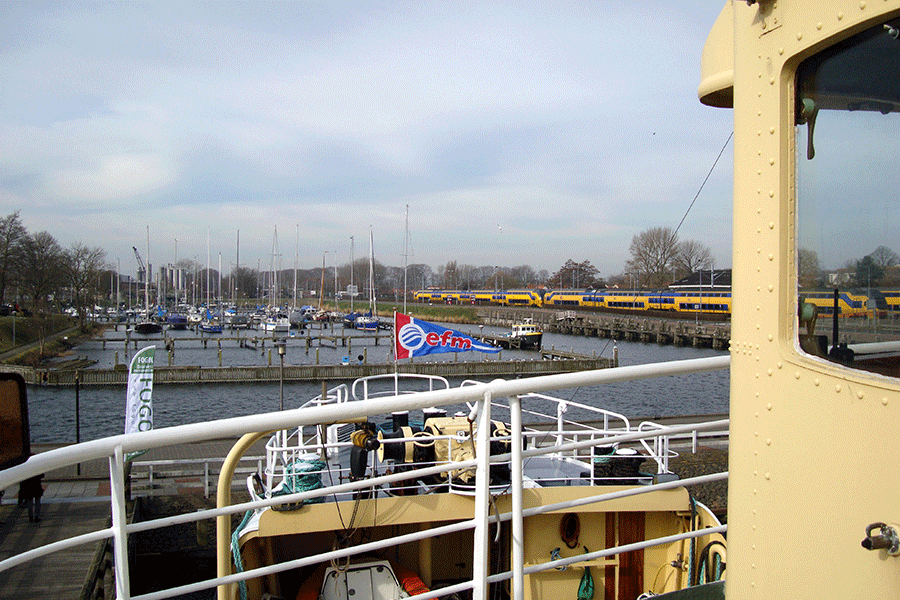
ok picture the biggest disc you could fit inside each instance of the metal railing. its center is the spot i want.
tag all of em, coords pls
(115, 448)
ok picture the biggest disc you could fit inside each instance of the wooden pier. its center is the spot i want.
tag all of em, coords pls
(677, 332)
(295, 373)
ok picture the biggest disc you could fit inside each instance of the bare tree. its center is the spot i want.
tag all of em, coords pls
(653, 253)
(81, 266)
(691, 256)
(807, 268)
(884, 257)
(41, 267)
(12, 235)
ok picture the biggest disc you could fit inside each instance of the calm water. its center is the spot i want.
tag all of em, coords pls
(102, 409)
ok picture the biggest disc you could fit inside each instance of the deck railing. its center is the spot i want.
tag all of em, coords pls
(115, 448)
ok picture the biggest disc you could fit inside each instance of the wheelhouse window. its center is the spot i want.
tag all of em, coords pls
(847, 110)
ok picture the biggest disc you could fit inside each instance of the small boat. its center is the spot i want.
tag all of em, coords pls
(526, 335)
(276, 325)
(148, 327)
(210, 325)
(176, 321)
(367, 322)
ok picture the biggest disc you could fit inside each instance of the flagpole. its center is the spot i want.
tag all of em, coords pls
(394, 352)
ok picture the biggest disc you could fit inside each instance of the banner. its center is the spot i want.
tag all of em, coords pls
(413, 337)
(139, 405)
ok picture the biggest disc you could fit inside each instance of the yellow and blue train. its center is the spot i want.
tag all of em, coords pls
(850, 303)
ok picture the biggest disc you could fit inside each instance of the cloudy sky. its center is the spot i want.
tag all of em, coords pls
(515, 132)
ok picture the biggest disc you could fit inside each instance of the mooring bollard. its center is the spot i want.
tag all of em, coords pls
(117, 359)
(220, 357)
(317, 356)
(270, 357)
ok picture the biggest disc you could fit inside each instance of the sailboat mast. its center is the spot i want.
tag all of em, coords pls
(207, 270)
(371, 272)
(351, 274)
(296, 259)
(405, 256)
(147, 278)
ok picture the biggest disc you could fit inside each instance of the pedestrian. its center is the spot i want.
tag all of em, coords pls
(30, 492)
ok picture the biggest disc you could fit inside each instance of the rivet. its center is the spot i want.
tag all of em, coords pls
(779, 365)
(781, 51)
(862, 5)
(819, 25)
(771, 257)
(755, 473)
(837, 388)
(796, 374)
(840, 16)
(799, 36)
(768, 476)
(769, 372)
(768, 441)
(859, 394)
(769, 406)
(884, 401)
(759, 230)
(771, 287)
(771, 81)
(771, 225)
(758, 250)
(771, 130)
(816, 382)
(770, 337)
(771, 160)
(772, 192)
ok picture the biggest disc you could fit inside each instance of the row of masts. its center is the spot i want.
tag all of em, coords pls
(275, 270)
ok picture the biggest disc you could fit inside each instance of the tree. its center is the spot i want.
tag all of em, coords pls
(690, 256)
(573, 275)
(80, 267)
(807, 268)
(41, 267)
(868, 272)
(884, 257)
(653, 253)
(12, 235)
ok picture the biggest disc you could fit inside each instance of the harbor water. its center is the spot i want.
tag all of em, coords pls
(52, 410)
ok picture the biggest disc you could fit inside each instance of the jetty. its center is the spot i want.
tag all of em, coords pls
(676, 332)
(562, 363)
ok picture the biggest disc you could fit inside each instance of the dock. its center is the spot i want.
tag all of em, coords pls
(663, 331)
(560, 363)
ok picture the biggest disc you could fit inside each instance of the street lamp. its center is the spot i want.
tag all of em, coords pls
(281, 345)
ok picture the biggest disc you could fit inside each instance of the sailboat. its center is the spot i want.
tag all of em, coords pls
(210, 325)
(276, 323)
(369, 322)
(147, 325)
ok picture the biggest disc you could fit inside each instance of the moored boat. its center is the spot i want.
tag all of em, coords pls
(390, 500)
(526, 335)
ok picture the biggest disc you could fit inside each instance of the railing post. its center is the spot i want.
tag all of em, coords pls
(518, 527)
(560, 411)
(206, 479)
(482, 500)
(119, 517)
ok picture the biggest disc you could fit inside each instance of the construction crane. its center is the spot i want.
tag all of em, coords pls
(142, 268)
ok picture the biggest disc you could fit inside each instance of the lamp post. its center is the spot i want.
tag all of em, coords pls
(281, 344)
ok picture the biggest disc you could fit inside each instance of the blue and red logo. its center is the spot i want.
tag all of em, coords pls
(418, 338)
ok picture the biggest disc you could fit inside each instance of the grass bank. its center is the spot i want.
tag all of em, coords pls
(29, 340)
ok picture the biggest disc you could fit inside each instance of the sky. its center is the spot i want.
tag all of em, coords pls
(511, 133)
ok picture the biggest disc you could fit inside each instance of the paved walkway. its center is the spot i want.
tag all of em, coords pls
(75, 501)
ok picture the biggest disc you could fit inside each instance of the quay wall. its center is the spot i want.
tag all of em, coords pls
(677, 332)
(292, 373)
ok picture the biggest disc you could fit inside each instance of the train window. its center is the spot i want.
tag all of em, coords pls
(847, 126)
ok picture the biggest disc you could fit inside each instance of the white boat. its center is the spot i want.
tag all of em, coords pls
(276, 324)
(526, 334)
(369, 322)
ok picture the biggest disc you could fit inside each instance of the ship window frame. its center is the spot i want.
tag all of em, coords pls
(794, 70)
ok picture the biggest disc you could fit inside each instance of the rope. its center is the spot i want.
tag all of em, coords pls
(586, 587)
(236, 553)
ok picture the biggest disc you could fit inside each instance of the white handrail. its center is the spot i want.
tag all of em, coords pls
(115, 447)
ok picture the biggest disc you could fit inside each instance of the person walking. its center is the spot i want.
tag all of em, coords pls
(30, 492)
